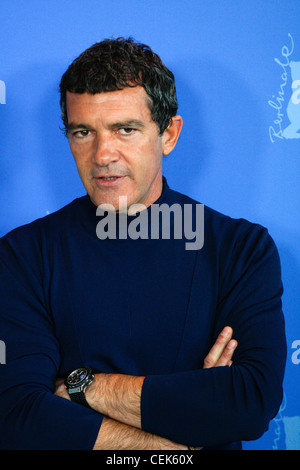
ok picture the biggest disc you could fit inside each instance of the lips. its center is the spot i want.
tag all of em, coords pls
(108, 179)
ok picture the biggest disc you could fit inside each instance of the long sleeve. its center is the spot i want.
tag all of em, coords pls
(141, 307)
(213, 407)
(31, 416)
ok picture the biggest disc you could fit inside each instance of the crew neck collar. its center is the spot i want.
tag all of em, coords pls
(89, 215)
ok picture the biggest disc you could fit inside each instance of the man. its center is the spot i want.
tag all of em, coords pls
(120, 341)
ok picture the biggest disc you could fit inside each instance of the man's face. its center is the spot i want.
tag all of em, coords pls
(116, 146)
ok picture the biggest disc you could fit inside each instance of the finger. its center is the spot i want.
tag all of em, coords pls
(218, 348)
(59, 382)
(61, 391)
(226, 356)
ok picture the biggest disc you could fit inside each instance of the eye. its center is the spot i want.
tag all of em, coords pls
(126, 131)
(81, 134)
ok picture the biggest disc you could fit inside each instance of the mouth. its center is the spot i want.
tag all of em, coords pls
(108, 180)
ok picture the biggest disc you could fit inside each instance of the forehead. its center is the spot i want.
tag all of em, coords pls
(126, 103)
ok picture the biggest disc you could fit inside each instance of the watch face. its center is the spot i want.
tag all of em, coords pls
(77, 376)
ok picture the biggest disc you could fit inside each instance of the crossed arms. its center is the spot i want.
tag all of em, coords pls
(208, 406)
(118, 398)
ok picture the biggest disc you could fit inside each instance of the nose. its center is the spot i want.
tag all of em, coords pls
(105, 151)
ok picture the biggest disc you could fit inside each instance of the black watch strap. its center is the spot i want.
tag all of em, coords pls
(79, 397)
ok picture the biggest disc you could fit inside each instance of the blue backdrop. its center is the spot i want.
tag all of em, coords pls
(237, 66)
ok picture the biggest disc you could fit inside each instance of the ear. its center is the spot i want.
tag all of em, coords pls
(171, 134)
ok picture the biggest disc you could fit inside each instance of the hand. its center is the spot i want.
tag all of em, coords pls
(60, 389)
(222, 351)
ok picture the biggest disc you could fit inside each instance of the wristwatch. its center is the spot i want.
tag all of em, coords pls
(76, 383)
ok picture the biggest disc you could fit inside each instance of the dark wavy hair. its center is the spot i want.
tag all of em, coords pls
(114, 64)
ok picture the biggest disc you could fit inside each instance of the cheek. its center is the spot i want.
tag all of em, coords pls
(79, 162)
(150, 154)
(80, 156)
(145, 167)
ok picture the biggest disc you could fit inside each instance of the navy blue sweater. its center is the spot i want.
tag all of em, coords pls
(142, 307)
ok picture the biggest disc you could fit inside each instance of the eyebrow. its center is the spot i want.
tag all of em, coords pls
(119, 124)
(127, 123)
(73, 125)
